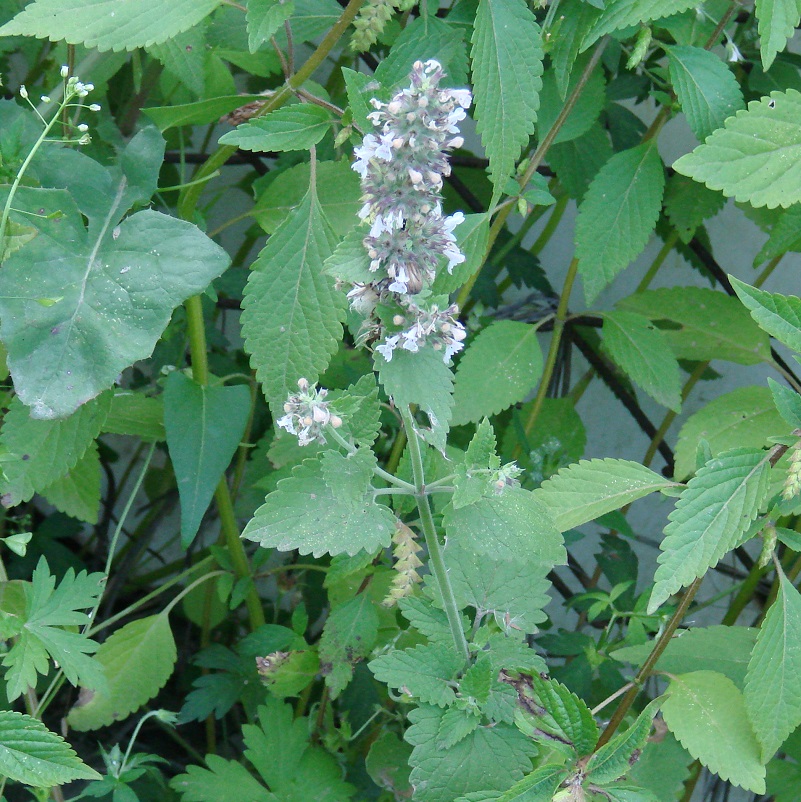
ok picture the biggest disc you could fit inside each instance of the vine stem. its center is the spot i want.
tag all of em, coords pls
(648, 666)
(435, 558)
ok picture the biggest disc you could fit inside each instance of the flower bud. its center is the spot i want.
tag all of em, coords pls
(65, 71)
(335, 421)
(303, 384)
(23, 92)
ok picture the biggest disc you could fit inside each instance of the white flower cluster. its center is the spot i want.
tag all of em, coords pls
(307, 413)
(402, 167)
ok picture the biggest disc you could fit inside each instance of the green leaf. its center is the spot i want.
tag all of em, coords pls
(325, 507)
(349, 635)
(288, 673)
(204, 427)
(744, 417)
(108, 24)
(512, 525)
(488, 759)
(498, 369)
(702, 324)
(662, 768)
(726, 650)
(539, 786)
(590, 488)
(577, 162)
(707, 89)
(618, 214)
(614, 758)
(477, 475)
(223, 781)
(31, 754)
(578, 17)
(507, 68)
(645, 355)
(753, 158)
(291, 313)
(44, 637)
(264, 18)
(788, 402)
(623, 13)
(778, 315)
(185, 57)
(778, 20)
(38, 452)
(198, 113)
(138, 660)
(427, 619)
(136, 415)
(77, 493)
(455, 725)
(296, 127)
(773, 683)
(706, 713)
(387, 764)
(687, 205)
(17, 234)
(785, 235)
(711, 515)
(420, 378)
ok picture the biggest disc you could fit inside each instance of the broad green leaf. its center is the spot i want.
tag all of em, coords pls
(38, 452)
(577, 162)
(662, 768)
(17, 234)
(641, 350)
(788, 402)
(108, 24)
(31, 754)
(455, 725)
(291, 313)
(583, 492)
(204, 427)
(47, 635)
(785, 235)
(138, 660)
(223, 781)
(779, 315)
(711, 515)
(387, 764)
(619, 14)
(185, 57)
(702, 324)
(420, 378)
(77, 493)
(199, 112)
(578, 17)
(707, 89)
(513, 525)
(773, 683)
(338, 194)
(618, 214)
(539, 786)
(507, 68)
(706, 713)
(425, 672)
(488, 759)
(778, 20)
(264, 18)
(745, 417)
(716, 648)
(288, 673)
(477, 475)
(688, 204)
(349, 635)
(325, 507)
(296, 127)
(136, 415)
(498, 369)
(755, 156)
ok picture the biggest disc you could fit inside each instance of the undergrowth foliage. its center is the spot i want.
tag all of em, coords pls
(297, 498)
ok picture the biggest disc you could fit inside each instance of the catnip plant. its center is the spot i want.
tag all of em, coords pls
(368, 429)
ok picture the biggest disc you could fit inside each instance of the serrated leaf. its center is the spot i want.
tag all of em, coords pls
(77, 493)
(507, 68)
(204, 427)
(578, 162)
(778, 20)
(702, 324)
(223, 781)
(38, 452)
(623, 13)
(578, 18)
(138, 660)
(455, 725)
(325, 507)
(424, 672)
(512, 525)
(618, 214)
(662, 768)
(264, 18)
(778, 315)
(640, 349)
(136, 415)
(426, 619)
(687, 205)
(349, 635)
(185, 56)
(788, 402)
(706, 713)
(590, 488)
(539, 786)
(477, 680)
(31, 754)
(714, 511)
(754, 157)
(477, 475)
(488, 759)
(360, 410)
(498, 369)
(785, 235)
(291, 313)
(349, 262)
(744, 417)
(773, 683)
(108, 24)
(296, 127)
(707, 89)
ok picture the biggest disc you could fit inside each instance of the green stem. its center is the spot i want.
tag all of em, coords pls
(387, 477)
(745, 594)
(435, 558)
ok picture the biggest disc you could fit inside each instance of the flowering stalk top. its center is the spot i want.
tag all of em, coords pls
(307, 414)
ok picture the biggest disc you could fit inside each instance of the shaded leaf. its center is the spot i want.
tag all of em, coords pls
(295, 127)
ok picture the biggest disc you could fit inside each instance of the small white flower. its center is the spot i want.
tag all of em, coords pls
(83, 127)
(387, 347)
(65, 71)
(23, 92)
(96, 107)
